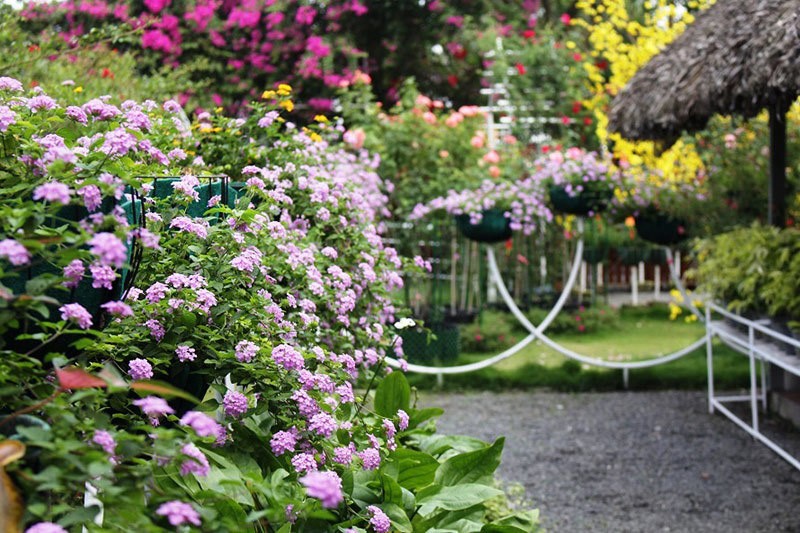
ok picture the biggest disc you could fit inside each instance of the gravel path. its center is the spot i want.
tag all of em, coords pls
(633, 462)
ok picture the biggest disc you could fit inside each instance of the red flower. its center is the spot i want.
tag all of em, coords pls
(587, 121)
(545, 149)
(566, 120)
(33, 48)
(576, 56)
(602, 64)
(566, 19)
(452, 79)
(529, 34)
(576, 107)
(107, 74)
(520, 68)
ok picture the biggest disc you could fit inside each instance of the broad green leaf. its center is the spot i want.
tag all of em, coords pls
(415, 469)
(438, 444)
(471, 466)
(392, 394)
(392, 492)
(419, 416)
(526, 521)
(398, 516)
(494, 528)
(457, 497)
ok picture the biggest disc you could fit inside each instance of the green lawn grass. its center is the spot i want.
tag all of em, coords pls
(643, 333)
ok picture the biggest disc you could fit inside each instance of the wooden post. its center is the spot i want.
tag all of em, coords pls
(657, 281)
(582, 283)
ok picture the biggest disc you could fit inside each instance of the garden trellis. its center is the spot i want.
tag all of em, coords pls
(537, 332)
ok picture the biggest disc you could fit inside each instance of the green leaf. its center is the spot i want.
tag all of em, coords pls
(392, 394)
(392, 492)
(398, 516)
(457, 497)
(419, 416)
(495, 528)
(415, 469)
(526, 521)
(438, 444)
(471, 466)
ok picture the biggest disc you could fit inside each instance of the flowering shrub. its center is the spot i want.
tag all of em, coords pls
(221, 391)
(244, 46)
(576, 171)
(523, 203)
(648, 192)
(425, 149)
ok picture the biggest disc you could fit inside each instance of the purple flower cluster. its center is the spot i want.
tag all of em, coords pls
(288, 357)
(76, 313)
(202, 424)
(53, 192)
(185, 353)
(246, 351)
(196, 464)
(140, 369)
(325, 486)
(235, 403)
(379, 521)
(16, 253)
(179, 513)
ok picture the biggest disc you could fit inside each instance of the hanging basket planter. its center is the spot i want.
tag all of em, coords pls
(494, 227)
(633, 255)
(595, 254)
(660, 228)
(583, 203)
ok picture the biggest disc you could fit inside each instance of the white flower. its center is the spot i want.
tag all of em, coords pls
(404, 323)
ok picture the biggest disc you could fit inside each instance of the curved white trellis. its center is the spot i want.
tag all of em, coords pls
(562, 299)
(538, 332)
(501, 286)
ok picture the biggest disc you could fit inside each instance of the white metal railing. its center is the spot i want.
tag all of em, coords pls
(756, 350)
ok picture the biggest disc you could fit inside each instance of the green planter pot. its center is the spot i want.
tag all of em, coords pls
(590, 200)
(659, 228)
(595, 254)
(493, 227)
(444, 348)
(633, 255)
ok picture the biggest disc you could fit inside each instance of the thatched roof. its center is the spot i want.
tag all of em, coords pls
(737, 57)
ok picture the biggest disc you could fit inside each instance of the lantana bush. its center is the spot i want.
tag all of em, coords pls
(194, 321)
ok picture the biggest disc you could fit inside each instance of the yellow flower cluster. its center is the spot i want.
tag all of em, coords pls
(675, 309)
(626, 45)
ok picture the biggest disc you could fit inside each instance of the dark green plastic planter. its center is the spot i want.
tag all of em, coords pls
(595, 254)
(633, 255)
(444, 348)
(659, 228)
(493, 227)
(590, 200)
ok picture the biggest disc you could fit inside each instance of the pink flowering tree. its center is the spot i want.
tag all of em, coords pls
(245, 46)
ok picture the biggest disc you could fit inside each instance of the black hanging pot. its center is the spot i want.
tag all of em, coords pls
(633, 255)
(589, 200)
(493, 227)
(660, 228)
(595, 254)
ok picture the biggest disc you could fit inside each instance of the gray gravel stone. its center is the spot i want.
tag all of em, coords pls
(633, 462)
